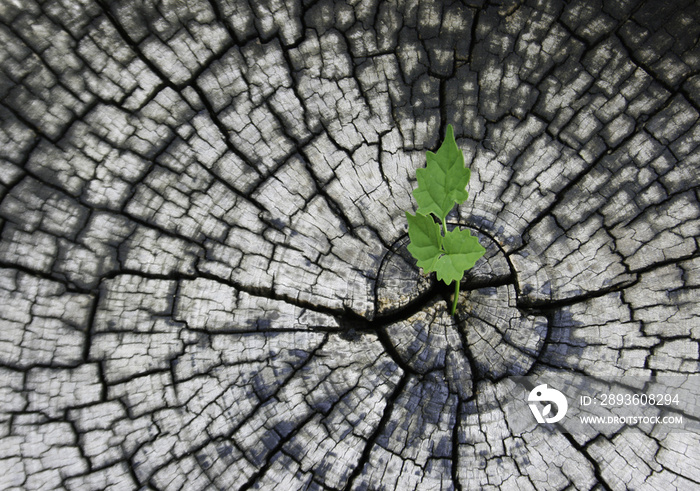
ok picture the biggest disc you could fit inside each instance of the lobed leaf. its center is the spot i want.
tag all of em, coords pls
(426, 240)
(443, 181)
(461, 250)
(441, 184)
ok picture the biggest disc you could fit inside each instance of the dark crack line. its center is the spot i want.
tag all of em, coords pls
(335, 207)
(45, 64)
(69, 286)
(455, 445)
(576, 179)
(192, 82)
(383, 422)
(134, 46)
(679, 89)
(347, 319)
(540, 307)
(390, 350)
(280, 447)
(214, 117)
(229, 434)
(583, 450)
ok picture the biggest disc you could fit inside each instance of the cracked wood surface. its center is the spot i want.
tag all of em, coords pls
(204, 281)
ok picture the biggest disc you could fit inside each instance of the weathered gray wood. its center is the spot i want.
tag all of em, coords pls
(204, 281)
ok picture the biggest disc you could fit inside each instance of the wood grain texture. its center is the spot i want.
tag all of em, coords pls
(204, 281)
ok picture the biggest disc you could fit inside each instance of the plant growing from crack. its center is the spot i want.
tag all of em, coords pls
(442, 183)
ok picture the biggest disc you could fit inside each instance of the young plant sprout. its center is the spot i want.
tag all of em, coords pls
(442, 183)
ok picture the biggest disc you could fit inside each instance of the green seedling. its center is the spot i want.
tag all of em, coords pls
(442, 183)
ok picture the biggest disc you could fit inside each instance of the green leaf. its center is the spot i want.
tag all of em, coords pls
(426, 241)
(461, 250)
(443, 181)
(441, 184)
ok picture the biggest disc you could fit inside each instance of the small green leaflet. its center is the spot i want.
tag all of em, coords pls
(441, 185)
(449, 256)
(426, 241)
(461, 251)
(443, 181)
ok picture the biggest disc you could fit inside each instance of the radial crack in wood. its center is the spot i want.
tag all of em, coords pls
(204, 281)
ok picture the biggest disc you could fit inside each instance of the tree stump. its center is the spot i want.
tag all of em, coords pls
(204, 278)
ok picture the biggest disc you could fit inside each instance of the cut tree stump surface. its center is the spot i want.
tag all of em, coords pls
(204, 281)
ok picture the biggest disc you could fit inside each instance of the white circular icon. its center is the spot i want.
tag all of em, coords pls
(542, 393)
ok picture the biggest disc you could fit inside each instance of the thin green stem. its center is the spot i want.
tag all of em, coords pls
(454, 302)
(444, 227)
